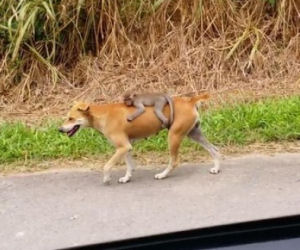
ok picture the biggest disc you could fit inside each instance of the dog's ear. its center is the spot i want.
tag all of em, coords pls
(83, 107)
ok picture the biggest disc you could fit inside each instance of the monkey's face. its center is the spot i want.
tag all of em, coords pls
(128, 102)
(128, 99)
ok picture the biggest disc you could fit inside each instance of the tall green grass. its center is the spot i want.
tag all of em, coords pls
(263, 121)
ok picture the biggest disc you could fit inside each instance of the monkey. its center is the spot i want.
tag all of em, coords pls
(151, 99)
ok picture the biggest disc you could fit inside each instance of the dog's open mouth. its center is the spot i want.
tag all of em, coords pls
(73, 130)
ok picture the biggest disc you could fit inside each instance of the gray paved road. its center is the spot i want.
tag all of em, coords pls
(65, 208)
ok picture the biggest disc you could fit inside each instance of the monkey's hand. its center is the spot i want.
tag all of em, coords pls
(129, 119)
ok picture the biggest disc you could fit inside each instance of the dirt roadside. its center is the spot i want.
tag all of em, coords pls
(148, 160)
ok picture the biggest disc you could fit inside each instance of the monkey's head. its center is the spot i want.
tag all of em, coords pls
(128, 99)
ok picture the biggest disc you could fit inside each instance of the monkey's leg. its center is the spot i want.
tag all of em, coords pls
(158, 107)
(140, 110)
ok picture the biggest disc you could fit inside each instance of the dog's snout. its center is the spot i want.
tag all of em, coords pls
(61, 130)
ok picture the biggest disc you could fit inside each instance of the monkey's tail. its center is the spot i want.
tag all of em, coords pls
(199, 98)
(171, 105)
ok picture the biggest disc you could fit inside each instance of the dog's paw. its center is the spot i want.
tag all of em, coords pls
(214, 170)
(124, 179)
(106, 179)
(160, 176)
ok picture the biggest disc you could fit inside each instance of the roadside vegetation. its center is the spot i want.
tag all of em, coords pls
(54, 51)
(276, 119)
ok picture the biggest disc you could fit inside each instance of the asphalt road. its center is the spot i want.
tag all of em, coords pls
(69, 208)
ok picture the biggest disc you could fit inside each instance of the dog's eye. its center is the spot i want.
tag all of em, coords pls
(71, 119)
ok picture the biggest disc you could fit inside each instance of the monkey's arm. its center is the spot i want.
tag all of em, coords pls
(140, 110)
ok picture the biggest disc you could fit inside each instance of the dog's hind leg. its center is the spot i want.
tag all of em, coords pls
(196, 135)
(130, 166)
(174, 143)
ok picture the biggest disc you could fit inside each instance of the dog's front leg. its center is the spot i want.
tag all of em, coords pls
(121, 152)
(130, 166)
(174, 143)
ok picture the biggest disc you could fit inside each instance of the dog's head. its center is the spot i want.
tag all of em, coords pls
(77, 117)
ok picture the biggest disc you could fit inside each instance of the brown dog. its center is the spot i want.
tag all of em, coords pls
(111, 121)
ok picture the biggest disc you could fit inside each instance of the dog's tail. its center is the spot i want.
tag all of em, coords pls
(199, 98)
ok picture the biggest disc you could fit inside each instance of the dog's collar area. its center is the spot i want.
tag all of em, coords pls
(73, 130)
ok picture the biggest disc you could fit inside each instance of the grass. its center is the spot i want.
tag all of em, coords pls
(262, 121)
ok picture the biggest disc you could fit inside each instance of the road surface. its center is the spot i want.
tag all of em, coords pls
(69, 208)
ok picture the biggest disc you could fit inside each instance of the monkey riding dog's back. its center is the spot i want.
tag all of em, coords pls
(111, 120)
(157, 100)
